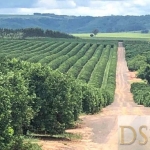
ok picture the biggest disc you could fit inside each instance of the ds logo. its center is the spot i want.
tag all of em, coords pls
(134, 133)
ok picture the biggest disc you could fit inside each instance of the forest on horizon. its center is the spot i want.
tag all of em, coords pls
(76, 24)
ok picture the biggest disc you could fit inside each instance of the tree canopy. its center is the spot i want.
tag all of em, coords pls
(31, 32)
(95, 31)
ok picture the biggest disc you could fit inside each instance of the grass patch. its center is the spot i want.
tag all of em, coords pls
(116, 36)
(138, 81)
(30, 138)
(69, 136)
(60, 137)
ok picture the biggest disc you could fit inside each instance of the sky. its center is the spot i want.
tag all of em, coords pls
(76, 7)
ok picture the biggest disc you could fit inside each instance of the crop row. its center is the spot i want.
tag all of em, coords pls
(88, 68)
(107, 69)
(81, 51)
(84, 61)
(98, 72)
(77, 67)
(62, 56)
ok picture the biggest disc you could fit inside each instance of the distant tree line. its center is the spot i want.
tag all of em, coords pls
(44, 14)
(31, 32)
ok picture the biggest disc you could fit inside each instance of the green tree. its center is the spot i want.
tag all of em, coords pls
(6, 130)
(95, 31)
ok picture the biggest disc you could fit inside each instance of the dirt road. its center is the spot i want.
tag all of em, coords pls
(100, 131)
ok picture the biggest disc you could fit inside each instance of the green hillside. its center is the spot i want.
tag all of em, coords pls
(74, 24)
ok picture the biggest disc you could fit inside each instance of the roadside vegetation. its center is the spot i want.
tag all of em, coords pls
(138, 58)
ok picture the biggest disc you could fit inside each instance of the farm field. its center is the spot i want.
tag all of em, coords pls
(92, 63)
(117, 36)
(57, 82)
(99, 83)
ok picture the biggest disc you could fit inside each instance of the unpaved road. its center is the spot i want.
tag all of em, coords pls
(100, 131)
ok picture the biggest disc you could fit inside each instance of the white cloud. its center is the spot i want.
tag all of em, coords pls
(88, 7)
(56, 4)
(95, 7)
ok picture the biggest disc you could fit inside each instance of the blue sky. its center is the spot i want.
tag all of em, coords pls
(76, 7)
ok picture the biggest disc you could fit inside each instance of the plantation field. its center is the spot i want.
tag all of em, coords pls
(57, 99)
(117, 36)
(93, 63)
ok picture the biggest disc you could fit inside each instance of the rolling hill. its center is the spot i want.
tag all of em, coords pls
(76, 24)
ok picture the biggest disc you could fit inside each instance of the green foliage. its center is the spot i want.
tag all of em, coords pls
(19, 144)
(38, 99)
(67, 64)
(111, 79)
(48, 100)
(86, 72)
(77, 67)
(141, 92)
(144, 72)
(107, 69)
(136, 62)
(6, 131)
(91, 101)
(138, 56)
(37, 96)
(31, 32)
(62, 56)
(61, 101)
(96, 78)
